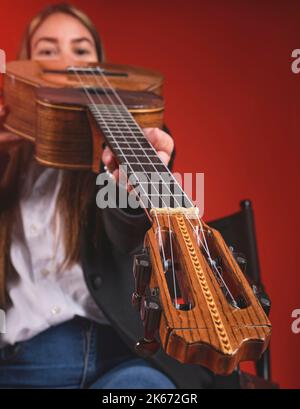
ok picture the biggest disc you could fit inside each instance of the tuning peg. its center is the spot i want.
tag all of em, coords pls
(136, 301)
(262, 297)
(240, 258)
(150, 314)
(142, 273)
(145, 348)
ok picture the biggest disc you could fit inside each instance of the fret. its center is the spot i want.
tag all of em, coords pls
(134, 145)
(139, 163)
(122, 131)
(146, 178)
(148, 168)
(114, 132)
(135, 158)
(126, 151)
(110, 120)
(142, 156)
(153, 175)
(151, 179)
(114, 110)
(122, 127)
(165, 190)
(106, 111)
(141, 143)
(151, 158)
(109, 116)
(137, 151)
(179, 199)
(131, 163)
(132, 160)
(159, 201)
(119, 119)
(161, 190)
(101, 107)
(111, 113)
(116, 121)
(161, 186)
(118, 135)
(112, 117)
(121, 138)
(118, 146)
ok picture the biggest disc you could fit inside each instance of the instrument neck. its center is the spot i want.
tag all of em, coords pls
(149, 176)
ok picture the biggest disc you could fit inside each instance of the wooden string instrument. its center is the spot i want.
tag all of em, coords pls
(189, 289)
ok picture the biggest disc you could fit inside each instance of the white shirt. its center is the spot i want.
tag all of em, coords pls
(42, 294)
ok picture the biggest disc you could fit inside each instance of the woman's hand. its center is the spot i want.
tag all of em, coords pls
(160, 140)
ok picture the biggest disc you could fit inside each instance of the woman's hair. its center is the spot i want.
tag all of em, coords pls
(25, 49)
(78, 189)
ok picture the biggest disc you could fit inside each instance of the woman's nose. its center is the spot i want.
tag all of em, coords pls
(68, 59)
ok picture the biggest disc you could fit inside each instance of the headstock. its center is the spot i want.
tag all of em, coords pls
(195, 296)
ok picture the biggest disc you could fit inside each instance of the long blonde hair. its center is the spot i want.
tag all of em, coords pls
(78, 189)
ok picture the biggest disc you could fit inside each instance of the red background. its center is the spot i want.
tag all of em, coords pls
(232, 105)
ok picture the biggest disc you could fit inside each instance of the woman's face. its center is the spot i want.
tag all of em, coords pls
(64, 38)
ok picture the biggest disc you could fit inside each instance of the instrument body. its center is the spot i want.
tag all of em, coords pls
(189, 289)
(50, 109)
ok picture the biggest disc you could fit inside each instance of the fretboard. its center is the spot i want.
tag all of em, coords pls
(154, 184)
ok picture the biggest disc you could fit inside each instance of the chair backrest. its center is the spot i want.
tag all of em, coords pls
(238, 231)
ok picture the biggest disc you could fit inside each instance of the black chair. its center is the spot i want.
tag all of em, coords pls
(238, 231)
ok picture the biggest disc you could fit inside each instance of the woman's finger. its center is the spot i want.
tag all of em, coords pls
(160, 140)
(108, 159)
(165, 157)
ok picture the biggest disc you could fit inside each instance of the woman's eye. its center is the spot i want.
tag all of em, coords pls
(81, 51)
(46, 52)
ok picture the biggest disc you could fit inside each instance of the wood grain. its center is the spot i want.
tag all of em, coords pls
(56, 119)
(213, 333)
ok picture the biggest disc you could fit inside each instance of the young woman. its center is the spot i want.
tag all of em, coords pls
(59, 254)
